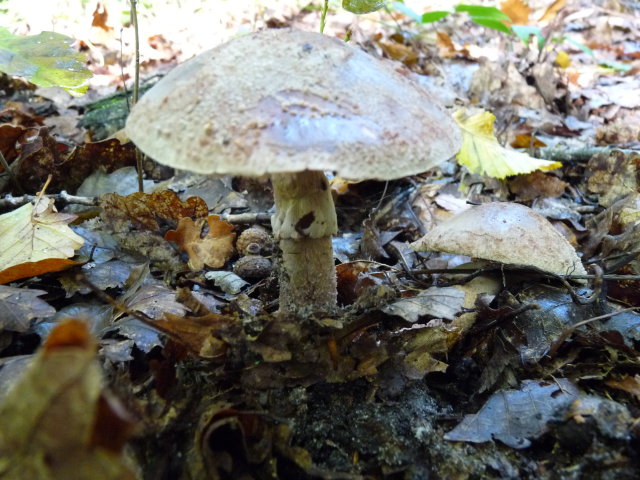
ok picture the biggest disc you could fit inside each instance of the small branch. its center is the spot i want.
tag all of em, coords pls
(63, 197)
(560, 154)
(136, 86)
(260, 217)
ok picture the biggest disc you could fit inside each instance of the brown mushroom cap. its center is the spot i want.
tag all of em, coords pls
(288, 100)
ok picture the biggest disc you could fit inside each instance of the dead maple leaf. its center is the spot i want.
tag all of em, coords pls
(214, 250)
(50, 416)
(517, 11)
(143, 210)
(33, 233)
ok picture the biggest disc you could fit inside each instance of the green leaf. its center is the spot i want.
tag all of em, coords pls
(491, 23)
(401, 7)
(524, 32)
(431, 17)
(362, 6)
(45, 59)
(482, 12)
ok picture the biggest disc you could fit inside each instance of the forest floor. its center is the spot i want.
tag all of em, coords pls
(136, 355)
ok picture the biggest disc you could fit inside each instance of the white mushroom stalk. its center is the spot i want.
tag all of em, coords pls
(293, 104)
(304, 222)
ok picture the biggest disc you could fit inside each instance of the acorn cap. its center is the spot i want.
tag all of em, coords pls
(504, 232)
(287, 100)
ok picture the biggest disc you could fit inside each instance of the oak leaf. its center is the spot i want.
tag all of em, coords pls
(213, 250)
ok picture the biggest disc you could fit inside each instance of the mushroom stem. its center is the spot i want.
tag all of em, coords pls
(308, 277)
(304, 222)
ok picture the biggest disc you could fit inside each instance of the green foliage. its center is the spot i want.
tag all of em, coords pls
(494, 18)
(486, 16)
(45, 59)
(362, 6)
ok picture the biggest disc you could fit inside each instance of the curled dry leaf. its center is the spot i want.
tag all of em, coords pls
(504, 232)
(143, 210)
(49, 417)
(33, 233)
(213, 250)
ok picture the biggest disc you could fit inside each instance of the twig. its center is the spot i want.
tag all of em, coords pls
(7, 169)
(566, 333)
(63, 197)
(136, 85)
(260, 217)
(583, 154)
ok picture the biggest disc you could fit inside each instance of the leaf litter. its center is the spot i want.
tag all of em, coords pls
(428, 347)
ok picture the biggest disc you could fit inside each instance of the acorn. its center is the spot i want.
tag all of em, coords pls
(254, 241)
(253, 267)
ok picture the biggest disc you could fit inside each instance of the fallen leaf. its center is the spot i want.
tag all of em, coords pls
(50, 415)
(436, 302)
(198, 334)
(516, 416)
(517, 10)
(36, 232)
(524, 140)
(143, 210)
(18, 306)
(613, 175)
(481, 153)
(213, 250)
(536, 184)
(446, 48)
(33, 269)
(562, 59)
(627, 384)
(399, 52)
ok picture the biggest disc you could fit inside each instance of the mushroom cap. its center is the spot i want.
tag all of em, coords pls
(504, 232)
(286, 100)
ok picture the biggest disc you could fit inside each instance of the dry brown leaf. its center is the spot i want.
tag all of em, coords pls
(143, 210)
(49, 416)
(399, 52)
(446, 48)
(524, 140)
(33, 269)
(552, 10)
(214, 250)
(517, 11)
(627, 384)
(18, 306)
(37, 232)
(536, 184)
(198, 334)
(613, 175)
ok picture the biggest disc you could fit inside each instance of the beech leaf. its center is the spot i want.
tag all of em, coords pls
(481, 153)
(37, 232)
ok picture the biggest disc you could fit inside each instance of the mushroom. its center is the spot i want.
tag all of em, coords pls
(508, 233)
(293, 104)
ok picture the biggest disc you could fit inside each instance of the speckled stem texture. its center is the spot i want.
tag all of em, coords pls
(304, 222)
(308, 277)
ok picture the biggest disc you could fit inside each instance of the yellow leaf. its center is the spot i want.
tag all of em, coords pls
(562, 59)
(481, 152)
(36, 232)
